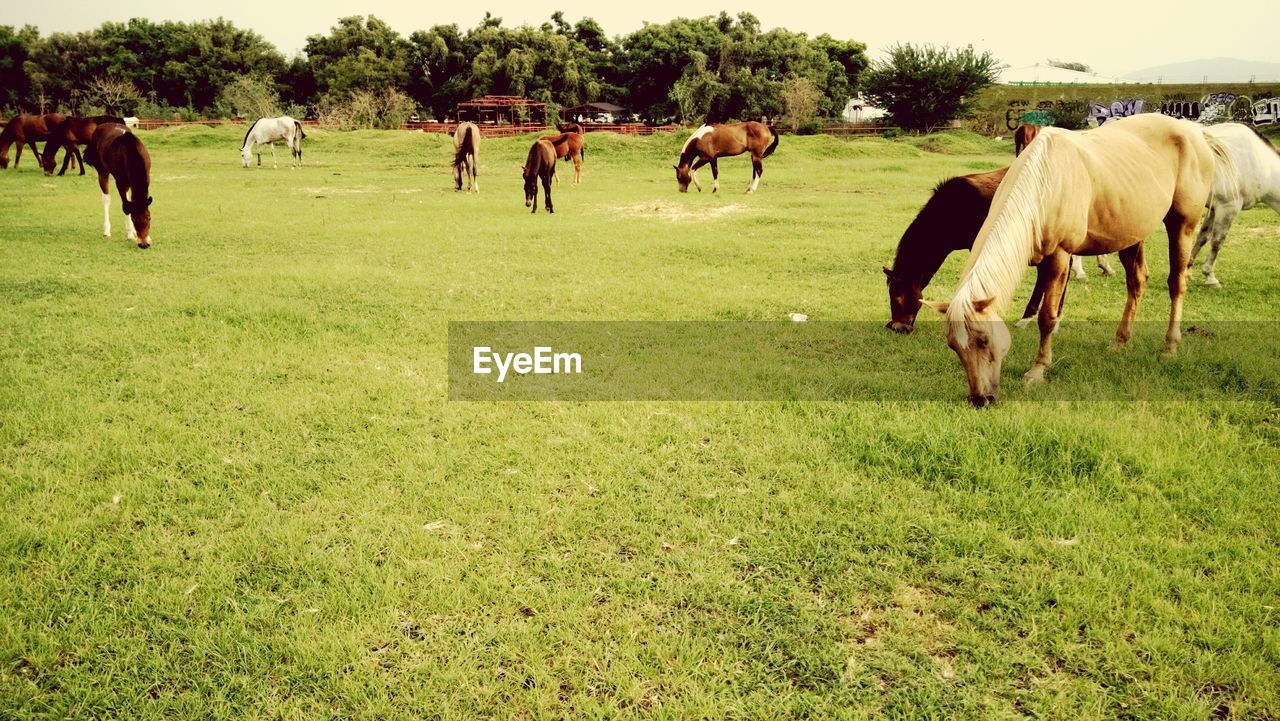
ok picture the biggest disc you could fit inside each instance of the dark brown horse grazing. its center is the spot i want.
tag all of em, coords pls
(541, 163)
(948, 222)
(570, 144)
(26, 130)
(118, 153)
(71, 134)
(1023, 136)
(721, 141)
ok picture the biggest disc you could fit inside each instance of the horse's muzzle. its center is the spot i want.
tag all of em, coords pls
(898, 326)
(983, 401)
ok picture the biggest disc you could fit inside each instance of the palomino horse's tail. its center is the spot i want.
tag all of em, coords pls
(772, 146)
(1226, 176)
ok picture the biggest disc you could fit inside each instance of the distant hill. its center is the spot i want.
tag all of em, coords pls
(1218, 70)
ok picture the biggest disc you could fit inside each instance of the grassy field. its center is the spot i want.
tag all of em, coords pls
(232, 485)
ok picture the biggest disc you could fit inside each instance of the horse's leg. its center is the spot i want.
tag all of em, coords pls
(106, 204)
(715, 174)
(274, 164)
(1053, 271)
(577, 168)
(1037, 295)
(126, 195)
(475, 173)
(693, 171)
(1135, 278)
(67, 158)
(1181, 228)
(1105, 267)
(757, 169)
(1215, 231)
(1077, 267)
(546, 187)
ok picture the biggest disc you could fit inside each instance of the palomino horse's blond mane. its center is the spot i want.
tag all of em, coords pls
(1005, 241)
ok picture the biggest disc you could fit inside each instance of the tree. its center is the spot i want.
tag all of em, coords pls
(359, 54)
(924, 88)
(697, 91)
(116, 97)
(15, 48)
(250, 97)
(800, 98)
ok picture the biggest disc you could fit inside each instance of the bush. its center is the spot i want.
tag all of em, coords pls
(809, 127)
(927, 87)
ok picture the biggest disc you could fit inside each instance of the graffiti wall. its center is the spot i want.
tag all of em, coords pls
(1216, 107)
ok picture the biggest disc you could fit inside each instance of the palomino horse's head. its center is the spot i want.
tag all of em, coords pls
(904, 301)
(684, 176)
(981, 339)
(140, 213)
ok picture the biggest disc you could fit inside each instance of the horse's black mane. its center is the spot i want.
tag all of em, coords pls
(250, 130)
(1263, 138)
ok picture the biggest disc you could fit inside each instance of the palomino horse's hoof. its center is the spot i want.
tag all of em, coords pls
(1212, 282)
(1024, 322)
(1033, 376)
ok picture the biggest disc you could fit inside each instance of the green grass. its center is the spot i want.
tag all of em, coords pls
(232, 485)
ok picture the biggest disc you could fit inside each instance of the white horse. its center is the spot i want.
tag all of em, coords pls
(1254, 179)
(271, 131)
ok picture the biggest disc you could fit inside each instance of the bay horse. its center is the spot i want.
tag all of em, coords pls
(466, 147)
(25, 129)
(1023, 136)
(71, 134)
(270, 131)
(570, 144)
(117, 153)
(1086, 193)
(710, 142)
(541, 163)
(1253, 179)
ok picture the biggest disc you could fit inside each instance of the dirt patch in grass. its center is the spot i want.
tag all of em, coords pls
(674, 211)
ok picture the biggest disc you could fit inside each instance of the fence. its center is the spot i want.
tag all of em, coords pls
(507, 131)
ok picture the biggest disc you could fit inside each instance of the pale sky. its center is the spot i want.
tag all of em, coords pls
(1115, 37)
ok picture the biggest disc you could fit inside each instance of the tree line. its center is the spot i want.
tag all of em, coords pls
(712, 68)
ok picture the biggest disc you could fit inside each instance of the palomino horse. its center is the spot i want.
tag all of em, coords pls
(721, 141)
(466, 148)
(541, 163)
(1023, 136)
(1253, 178)
(118, 153)
(71, 134)
(271, 131)
(570, 144)
(26, 130)
(1085, 193)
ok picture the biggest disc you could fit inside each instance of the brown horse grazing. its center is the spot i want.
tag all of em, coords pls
(721, 141)
(71, 134)
(1086, 193)
(571, 145)
(117, 152)
(26, 130)
(1023, 136)
(466, 149)
(541, 163)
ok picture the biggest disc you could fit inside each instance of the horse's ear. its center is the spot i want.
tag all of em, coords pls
(148, 201)
(127, 207)
(677, 167)
(888, 271)
(981, 305)
(936, 305)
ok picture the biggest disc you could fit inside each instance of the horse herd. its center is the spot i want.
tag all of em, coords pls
(1066, 194)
